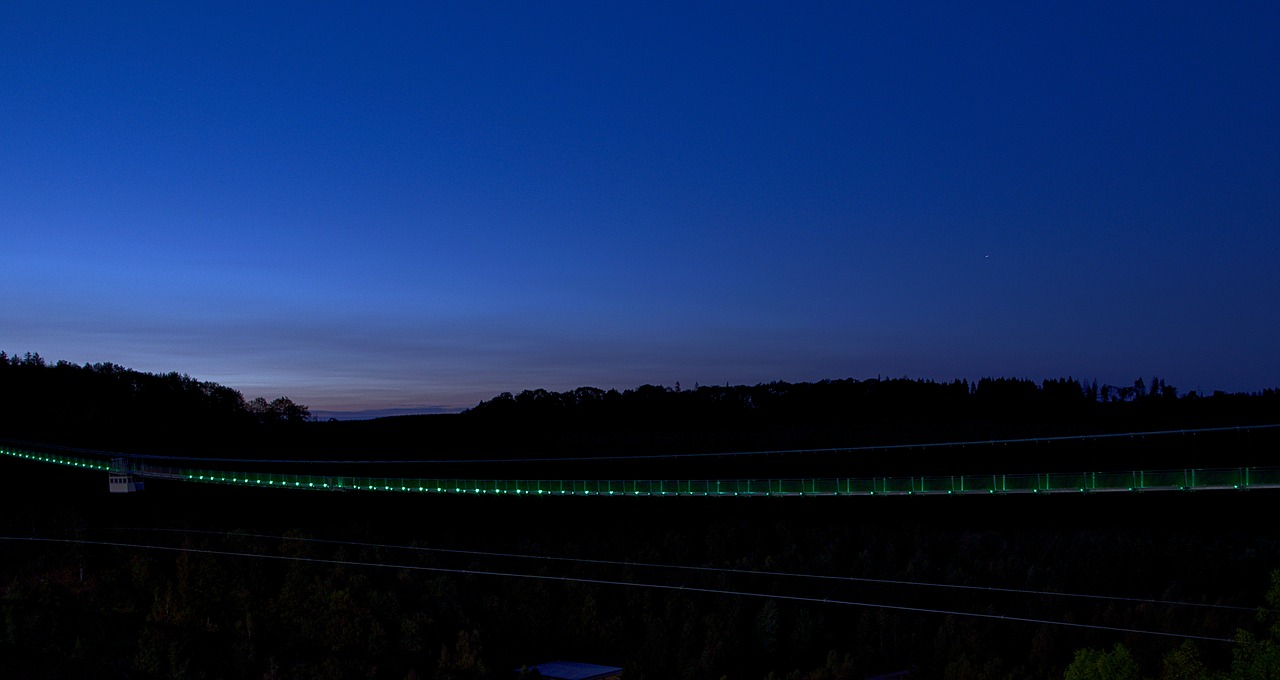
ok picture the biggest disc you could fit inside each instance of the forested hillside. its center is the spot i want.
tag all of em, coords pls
(106, 406)
(194, 581)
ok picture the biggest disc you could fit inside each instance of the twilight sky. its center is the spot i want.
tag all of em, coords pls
(413, 205)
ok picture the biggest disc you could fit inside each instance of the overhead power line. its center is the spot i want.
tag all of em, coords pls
(684, 567)
(606, 582)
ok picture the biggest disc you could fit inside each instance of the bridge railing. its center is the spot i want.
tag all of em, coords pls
(1075, 482)
(1062, 482)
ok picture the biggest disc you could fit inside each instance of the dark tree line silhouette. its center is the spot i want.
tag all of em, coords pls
(107, 406)
(849, 412)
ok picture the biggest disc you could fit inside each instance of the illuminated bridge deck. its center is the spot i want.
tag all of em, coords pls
(1188, 479)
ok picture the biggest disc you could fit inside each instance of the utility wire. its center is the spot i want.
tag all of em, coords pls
(664, 456)
(654, 586)
(723, 570)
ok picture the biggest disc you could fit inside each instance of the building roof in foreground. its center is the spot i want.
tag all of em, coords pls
(572, 670)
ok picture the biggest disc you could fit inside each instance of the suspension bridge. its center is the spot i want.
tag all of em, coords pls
(128, 472)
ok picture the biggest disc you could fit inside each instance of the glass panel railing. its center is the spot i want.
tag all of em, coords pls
(1232, 478)
(1261, 477)
(1163, 479)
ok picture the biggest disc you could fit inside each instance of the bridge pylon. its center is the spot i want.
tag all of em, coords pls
(120, 477)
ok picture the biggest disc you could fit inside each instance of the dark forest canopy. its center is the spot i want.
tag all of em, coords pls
(105, 405)
(108, 403)
(849, 412)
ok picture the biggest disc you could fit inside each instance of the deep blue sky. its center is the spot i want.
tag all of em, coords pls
(363, 206)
